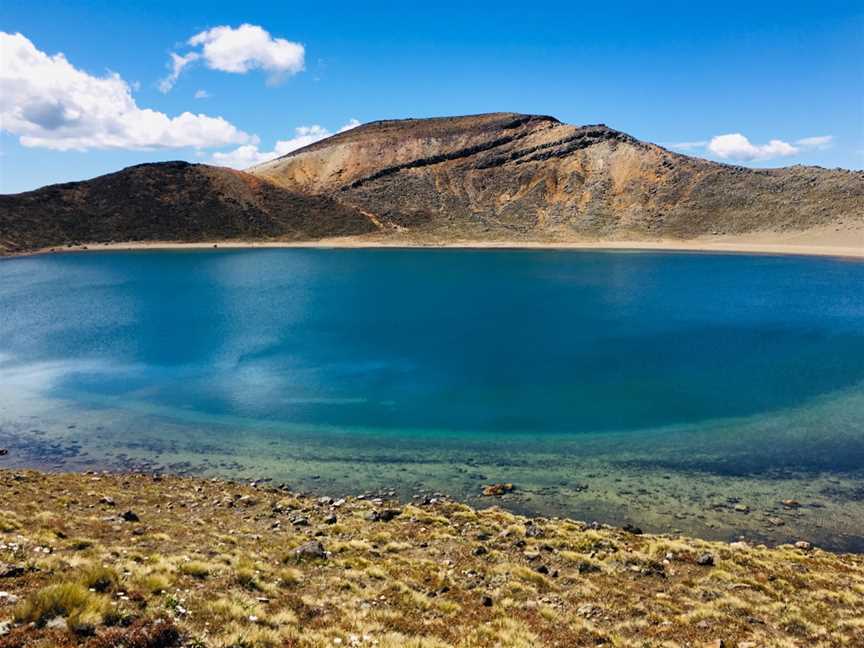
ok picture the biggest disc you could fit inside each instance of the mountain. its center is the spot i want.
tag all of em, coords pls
(500, 176)
(524, 176)
(170, 201)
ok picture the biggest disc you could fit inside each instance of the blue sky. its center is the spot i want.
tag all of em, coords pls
(776, 79)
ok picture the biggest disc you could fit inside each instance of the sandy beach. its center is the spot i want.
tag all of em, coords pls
(831, 241)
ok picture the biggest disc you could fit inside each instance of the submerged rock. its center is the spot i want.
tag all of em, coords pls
(497, 490)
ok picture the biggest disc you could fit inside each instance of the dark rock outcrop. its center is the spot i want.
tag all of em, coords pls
(170, 201)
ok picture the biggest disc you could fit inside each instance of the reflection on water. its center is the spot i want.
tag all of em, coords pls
(658, 389)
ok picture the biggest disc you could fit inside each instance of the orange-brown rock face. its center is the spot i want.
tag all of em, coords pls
(513, 175)
(501, 176)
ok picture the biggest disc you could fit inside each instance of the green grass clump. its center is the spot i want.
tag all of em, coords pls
(8, 522)
(247, 579)
(154, 583)
(195, 569)
(99, 578)
(70, 600)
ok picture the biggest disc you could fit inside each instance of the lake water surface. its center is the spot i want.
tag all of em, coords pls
(658, 389)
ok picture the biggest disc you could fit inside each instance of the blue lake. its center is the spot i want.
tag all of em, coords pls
(654, 388)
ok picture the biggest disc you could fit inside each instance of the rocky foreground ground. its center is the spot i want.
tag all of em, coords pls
(103, 560)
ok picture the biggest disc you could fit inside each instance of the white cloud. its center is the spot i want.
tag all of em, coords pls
(687, 146)
(737, 147)
(249, 155)
(202, 94)
(49, 103)
(177, 64)
(820, 142)
(239, 50)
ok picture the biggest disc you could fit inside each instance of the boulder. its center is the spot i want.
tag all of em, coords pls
(705, 560)
(312, 550)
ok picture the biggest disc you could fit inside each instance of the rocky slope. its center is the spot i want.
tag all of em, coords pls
(103, 561)
(514, 176)
(500, 176)
(171, 201)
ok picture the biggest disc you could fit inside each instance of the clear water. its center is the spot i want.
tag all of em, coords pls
(672, 386)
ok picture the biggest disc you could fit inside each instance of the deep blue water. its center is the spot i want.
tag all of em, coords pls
(504, 347)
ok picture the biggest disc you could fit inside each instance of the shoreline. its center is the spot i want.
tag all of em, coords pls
(105, 559)
(827, 243)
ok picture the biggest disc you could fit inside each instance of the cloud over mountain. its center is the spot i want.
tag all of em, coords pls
(238, 50)
(50, 103)
(737, 147)
(249, 155)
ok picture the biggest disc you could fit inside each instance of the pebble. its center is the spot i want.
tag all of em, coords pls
(742, 508)
(8, 599)
(705, 560)
(487, 601)
(330, 519)
(57, 623)
(804, 545)
(130, 516)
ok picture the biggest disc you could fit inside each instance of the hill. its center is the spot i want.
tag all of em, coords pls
(523, 176)
(171, 201)
(495, 177)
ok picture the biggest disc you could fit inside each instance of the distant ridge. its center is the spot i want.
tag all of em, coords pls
(497, 176)
(170, 201)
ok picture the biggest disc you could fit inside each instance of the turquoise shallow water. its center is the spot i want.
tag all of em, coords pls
(659, 389)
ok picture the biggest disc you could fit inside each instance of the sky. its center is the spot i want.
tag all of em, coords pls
(89, 87)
